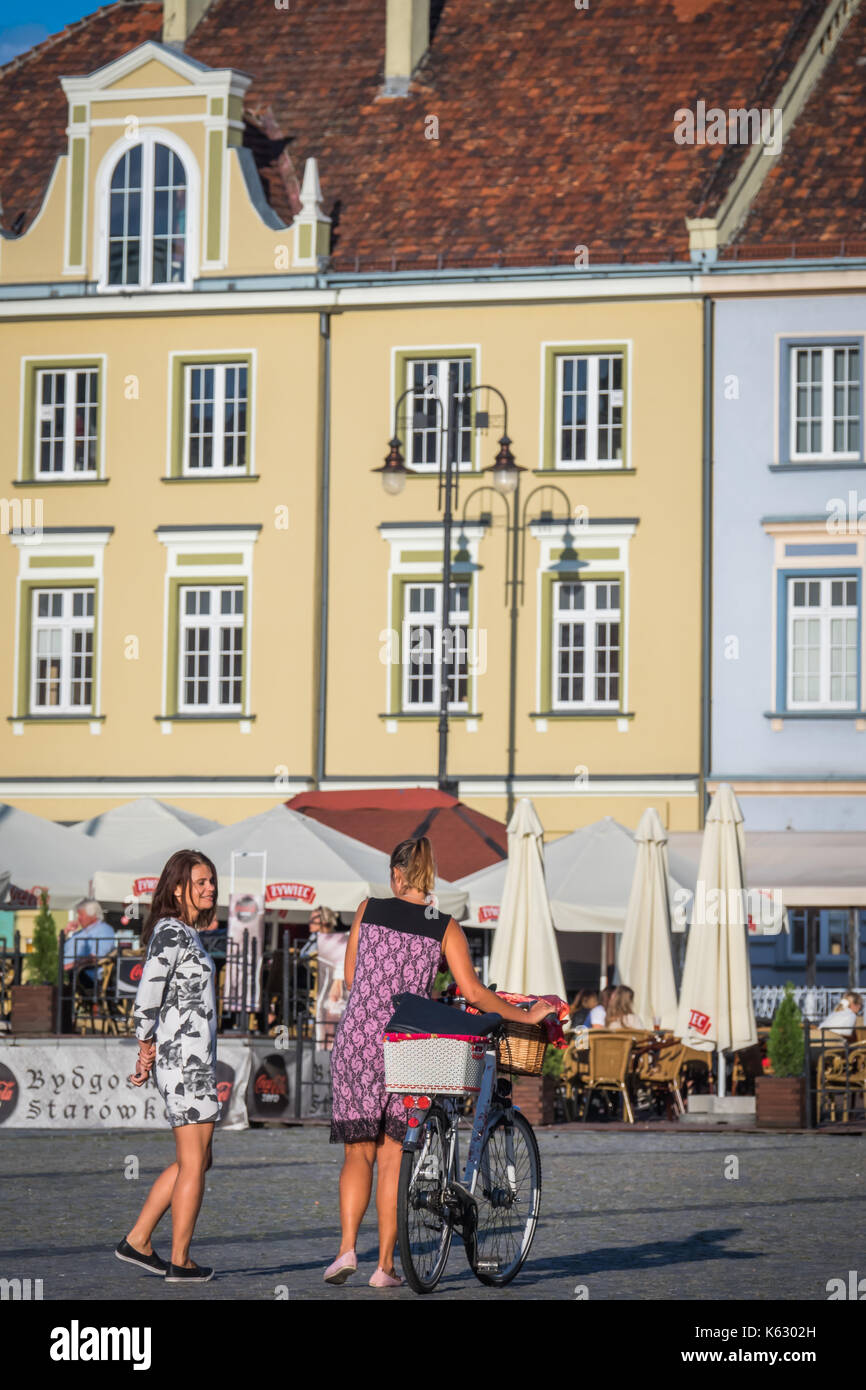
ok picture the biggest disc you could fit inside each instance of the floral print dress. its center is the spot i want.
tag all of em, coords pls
(176, 1008)
(398, 952)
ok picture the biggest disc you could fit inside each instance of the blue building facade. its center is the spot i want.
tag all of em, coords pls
(787, 723)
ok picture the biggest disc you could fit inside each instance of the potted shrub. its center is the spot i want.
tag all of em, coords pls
(34, 1003)
(535, 1095)
(780, 1097)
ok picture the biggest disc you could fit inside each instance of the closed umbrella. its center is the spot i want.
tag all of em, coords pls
(525, 956)
(716, 995)
(644, 959)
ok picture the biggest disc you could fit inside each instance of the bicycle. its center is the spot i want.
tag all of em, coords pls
(494, 1206)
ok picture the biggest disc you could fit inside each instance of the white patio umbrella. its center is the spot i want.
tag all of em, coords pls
(39, 853)
(307, 865)
(141, 827)
(525, 956)
(644, 958)
(715, 1007)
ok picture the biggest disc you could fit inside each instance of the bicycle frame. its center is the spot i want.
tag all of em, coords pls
(488, 1107)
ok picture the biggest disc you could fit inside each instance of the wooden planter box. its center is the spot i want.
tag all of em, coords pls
(780, 1102)
(535, 1096)
(33, 1008)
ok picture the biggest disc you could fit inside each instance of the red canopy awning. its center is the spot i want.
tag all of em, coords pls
(463, 840)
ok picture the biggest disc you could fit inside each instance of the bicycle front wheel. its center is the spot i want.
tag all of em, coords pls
(424, 1226)
(508, 1191)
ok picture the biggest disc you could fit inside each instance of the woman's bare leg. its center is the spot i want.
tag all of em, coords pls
(156, 1205)
(356, 1184)
(193, 1160)
(388, 1155)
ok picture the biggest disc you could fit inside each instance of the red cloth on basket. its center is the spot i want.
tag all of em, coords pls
(552, 1024)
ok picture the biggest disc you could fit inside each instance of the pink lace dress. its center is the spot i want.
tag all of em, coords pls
(398, 952)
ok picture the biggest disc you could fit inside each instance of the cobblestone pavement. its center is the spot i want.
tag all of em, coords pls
(637, 1216)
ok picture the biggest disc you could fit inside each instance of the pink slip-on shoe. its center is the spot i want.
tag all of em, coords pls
(342, 1269)
(381, 1280)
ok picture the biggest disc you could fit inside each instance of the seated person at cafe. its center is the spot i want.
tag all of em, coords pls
(847, 1015)
(587, 1012)
(87, 940)
(620, 1010)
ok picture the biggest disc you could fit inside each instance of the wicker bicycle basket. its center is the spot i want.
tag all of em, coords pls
(522, 1049)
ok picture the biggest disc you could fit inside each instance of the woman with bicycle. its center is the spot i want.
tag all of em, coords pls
(394, 948)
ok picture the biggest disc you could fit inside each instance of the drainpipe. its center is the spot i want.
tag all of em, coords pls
(325, 516)
(706, 560)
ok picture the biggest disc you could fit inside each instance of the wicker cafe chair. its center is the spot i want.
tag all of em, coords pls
(841, 1083)
(574, 1074)
(662, 1073)
(609, 1058)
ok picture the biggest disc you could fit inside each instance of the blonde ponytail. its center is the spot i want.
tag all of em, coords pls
(415, 860)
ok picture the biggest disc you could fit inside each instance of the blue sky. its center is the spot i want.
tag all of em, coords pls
(23, 25)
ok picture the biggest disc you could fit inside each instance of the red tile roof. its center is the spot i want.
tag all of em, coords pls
(555, 125)
(33, 109)
(814, 198)
(463, 840)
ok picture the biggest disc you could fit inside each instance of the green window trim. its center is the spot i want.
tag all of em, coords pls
(65, 562)
(55, 719)
(401, 360)
(204, 718)
(581, 714)
(215, 149)
(25, 648)
(179, 365)
(428, 718)
(32, 366)
(77, 165)
(172, 650)
(216, 478)
(551, 354)
(548, 579)
(203, 560)
(398, 583)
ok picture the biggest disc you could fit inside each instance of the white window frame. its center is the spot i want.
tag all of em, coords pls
(590, 616)
(68, 625)
(68, 470)
(592, 459)
(219, 435)
(214, 622)
(192, 561)
(824, 615)
(148, 138)
(458, 620)
(442, 365)
(826, 453)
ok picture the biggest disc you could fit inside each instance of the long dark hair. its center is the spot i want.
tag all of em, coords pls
(178, 873)
(415, 859)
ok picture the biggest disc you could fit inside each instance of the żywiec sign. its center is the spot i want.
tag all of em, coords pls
(275, 892)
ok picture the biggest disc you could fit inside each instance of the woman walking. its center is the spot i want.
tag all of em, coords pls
(394, 948)
(175, 1023)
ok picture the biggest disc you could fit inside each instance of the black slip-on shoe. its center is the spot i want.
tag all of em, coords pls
(151, 1264)
(176, 1274)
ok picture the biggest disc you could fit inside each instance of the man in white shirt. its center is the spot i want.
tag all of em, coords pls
(847, 1015)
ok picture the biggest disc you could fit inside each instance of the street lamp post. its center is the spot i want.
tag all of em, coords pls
(394, 473)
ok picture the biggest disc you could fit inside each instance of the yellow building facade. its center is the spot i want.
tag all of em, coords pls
(207, 595)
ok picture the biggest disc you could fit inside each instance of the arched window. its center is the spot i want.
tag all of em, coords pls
(147, 218)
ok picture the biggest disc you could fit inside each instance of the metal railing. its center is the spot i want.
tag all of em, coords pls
(814, 1001)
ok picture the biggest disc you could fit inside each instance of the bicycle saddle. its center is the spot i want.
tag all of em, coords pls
(414, 1013)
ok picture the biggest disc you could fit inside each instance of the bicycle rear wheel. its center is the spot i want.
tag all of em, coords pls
(508, 1191)
(424, 1226)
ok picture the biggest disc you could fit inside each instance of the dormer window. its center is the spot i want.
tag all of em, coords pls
(148, 194)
